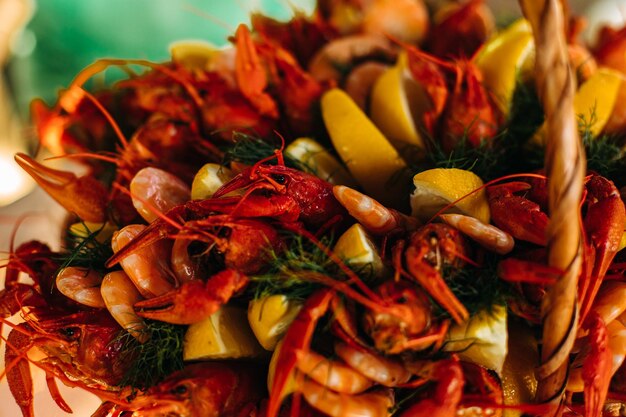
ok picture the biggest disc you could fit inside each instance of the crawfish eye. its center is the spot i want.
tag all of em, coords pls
(281, 179)
(179, 390)
(70, 333)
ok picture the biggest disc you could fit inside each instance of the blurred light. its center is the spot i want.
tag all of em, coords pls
(14, 183)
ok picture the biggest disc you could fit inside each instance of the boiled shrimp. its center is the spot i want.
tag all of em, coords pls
(488, 236)
(327, 63)
(146, 267)
(156, 191)
(182, 263)
(120, 294)
(333, 374)
(81, 285)
(384, 371)
(361, 80)
(376, 403)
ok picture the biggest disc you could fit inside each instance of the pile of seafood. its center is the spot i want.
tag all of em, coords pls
(344, 214)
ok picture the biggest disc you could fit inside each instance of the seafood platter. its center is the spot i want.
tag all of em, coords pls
(380, 208)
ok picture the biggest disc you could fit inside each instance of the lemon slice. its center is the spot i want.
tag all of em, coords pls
(504, 58)
(436, 188)
(397, 101)
(518, 373)
(208, 180)
(223, 335)
(370, 158)
(192, 54)
(358, 249)
(103, 231)
(269, 318)
(325, 165)
(482, 339)
(594, 101)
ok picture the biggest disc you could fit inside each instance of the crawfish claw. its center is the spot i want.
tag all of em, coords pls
(85, 196)
(194, 300)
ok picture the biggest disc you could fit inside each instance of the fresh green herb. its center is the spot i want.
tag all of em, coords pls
(155, 359)
(482, 160)
(604, 156)
(291, 271)
(249, 150)
(405, 396)
(478, 288)
(285, 268)
(86, 251)
(526, 114)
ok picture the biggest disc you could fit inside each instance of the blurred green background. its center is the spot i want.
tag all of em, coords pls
(66, 35)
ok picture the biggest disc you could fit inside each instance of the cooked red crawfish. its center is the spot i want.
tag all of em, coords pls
(80, 350)
(460, 107)
(232, 227)
(35, 260)
(424, 252)
(302, 36)
(274, 191)
(353, 383)
(185, 108)
(603, 217)
(78, 344)
(460, 29)
(208, 389)
(311, 199)
(148, 284)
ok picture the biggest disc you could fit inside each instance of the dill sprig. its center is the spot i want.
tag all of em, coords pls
(478, 288)
(249, 150)
(152, 361)
(604, 156)
(292, 272)
(85, 251)
(286, 272)
(482, 160)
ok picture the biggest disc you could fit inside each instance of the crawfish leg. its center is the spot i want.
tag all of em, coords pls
(56, 395)
(430, 279)
(193, 301)
(18, 371)
(597, 366)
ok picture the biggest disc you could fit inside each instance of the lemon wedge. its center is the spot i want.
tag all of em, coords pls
(508, 56)
(518, 378)
(594, 101)
(208, 180)
(269, 318)
(325, 165)
(358, 250)
(482, 339)
(370, 158)
(438, 187)
(223, 335)
(397, 101)
(192, 54)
